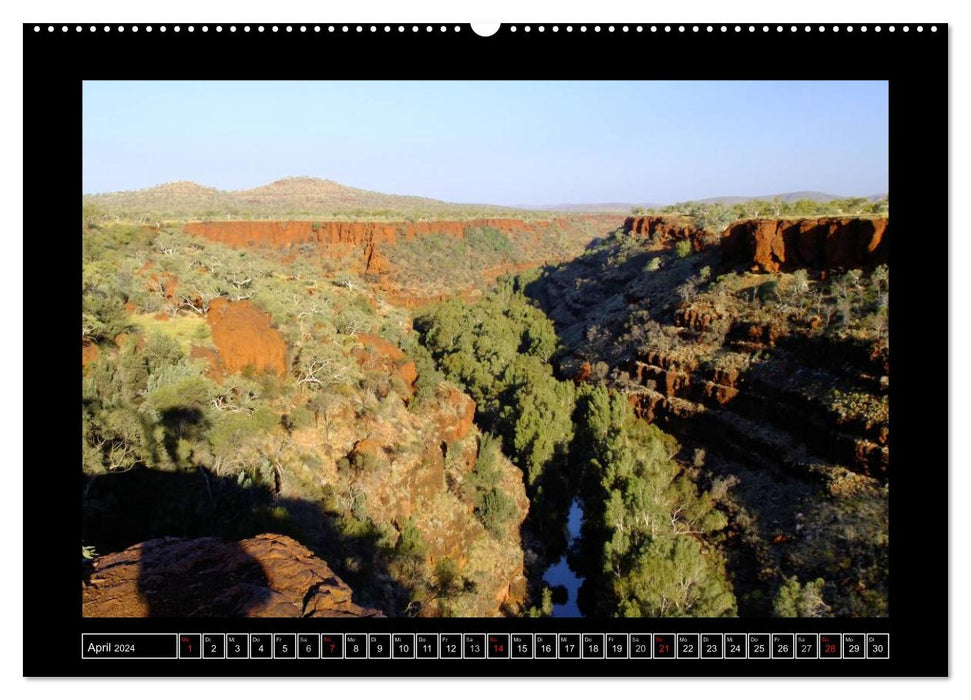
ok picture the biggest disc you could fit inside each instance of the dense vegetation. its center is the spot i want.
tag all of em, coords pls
(438, 265)
(500, 350)
(716, 216)
(646, 522)
(320, 448)
(439, 262)
(643, 545)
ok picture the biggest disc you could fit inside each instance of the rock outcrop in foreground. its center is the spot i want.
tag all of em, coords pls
(264, 576)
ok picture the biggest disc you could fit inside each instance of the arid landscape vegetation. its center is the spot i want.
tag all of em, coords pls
(306, 399)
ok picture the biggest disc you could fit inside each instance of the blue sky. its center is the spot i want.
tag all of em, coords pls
(503, 142)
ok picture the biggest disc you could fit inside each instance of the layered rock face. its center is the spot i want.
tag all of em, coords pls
(263, 576)
(739, 375)
(765, 414)
(780, 245)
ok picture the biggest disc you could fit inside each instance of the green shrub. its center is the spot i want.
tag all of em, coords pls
(639, 508)
(768, 291)
(230, 430)
(800, 600)
(495, 512)
(683, 248)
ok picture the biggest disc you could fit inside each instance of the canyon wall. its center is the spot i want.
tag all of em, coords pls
(665, 231)
(241, 234)
(784, 245)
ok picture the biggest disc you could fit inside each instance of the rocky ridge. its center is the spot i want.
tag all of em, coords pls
(263, 576)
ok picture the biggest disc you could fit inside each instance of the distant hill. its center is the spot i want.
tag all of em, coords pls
(600, 207)
(311, 197)
(820, 197)
(289, 197)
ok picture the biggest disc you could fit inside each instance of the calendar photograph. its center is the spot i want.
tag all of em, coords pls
(485, 349)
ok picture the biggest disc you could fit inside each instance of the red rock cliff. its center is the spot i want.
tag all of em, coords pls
(774, 245)
(663, 230)
(282, 233)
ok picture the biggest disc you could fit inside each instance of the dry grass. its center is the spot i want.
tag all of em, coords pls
(187, 330)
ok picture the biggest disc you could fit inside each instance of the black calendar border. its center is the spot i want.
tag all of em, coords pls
(914, 62)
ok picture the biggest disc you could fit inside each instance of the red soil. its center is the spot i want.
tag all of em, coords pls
(245, 338)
